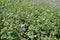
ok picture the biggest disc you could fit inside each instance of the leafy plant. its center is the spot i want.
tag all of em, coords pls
(20, 21)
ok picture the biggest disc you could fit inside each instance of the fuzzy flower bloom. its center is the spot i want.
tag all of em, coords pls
(42, 19)
(30, 15)
(58, 14)
(22, 25)
(10, 14)
(48, 10)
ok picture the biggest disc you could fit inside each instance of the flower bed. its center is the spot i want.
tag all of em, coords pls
(19, 21)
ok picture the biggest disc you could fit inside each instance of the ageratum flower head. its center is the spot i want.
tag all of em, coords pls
(58, 14)
(48, 10)
(22, 25)
(42, 19)
(10, 14)
(31, 14)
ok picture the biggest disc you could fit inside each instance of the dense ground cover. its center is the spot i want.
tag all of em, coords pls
(22, 21)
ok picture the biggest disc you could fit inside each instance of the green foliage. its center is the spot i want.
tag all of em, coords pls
(21, 21)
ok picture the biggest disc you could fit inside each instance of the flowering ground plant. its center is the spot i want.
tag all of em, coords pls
(20, 21)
